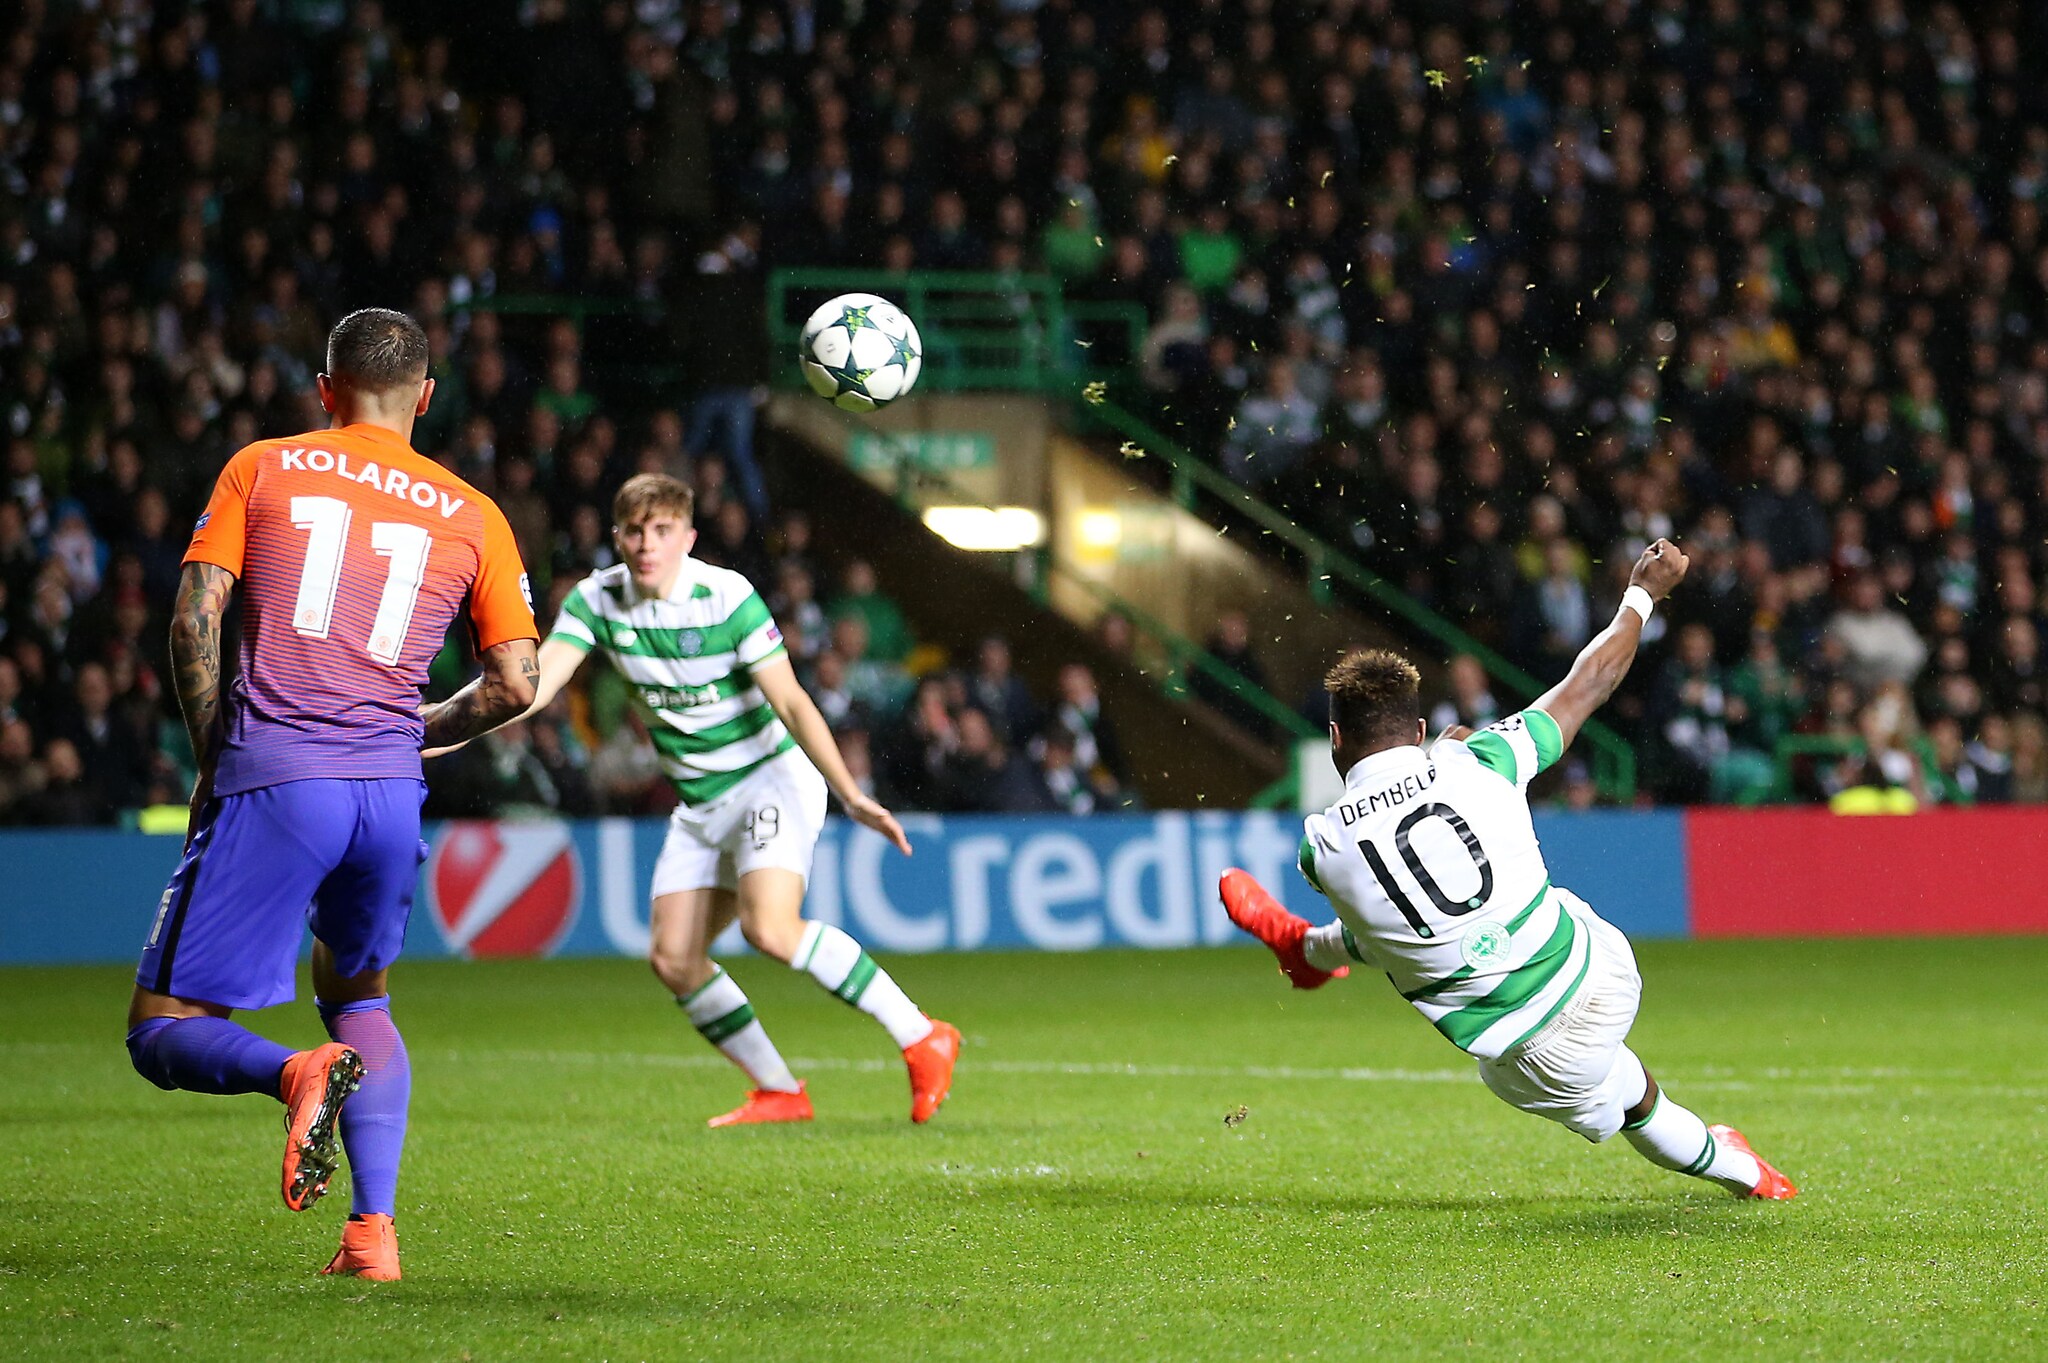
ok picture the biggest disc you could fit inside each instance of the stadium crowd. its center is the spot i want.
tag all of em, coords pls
(1489, 294)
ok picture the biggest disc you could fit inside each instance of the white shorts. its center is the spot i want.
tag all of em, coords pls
(1577, 1071)
(771, 819)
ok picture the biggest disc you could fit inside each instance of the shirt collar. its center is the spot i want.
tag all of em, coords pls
(363, 430)
(1386, 761)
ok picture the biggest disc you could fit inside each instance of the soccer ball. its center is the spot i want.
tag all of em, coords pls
(861, 352)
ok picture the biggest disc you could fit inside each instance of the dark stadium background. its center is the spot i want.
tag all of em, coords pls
(1530, 283)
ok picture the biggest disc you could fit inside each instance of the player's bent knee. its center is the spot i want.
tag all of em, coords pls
(142, 1051)
(777, 939)
(680, 972)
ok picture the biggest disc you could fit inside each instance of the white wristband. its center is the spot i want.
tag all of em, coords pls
(1639, 601)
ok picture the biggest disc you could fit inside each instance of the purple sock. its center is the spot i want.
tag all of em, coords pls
(373, 1119)
(206, 1055)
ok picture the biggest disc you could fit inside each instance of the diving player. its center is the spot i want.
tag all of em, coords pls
(1431, 863)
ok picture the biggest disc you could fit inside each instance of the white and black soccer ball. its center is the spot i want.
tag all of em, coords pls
(861, 352)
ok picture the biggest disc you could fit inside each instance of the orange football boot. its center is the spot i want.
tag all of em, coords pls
(1770, 1185)
(931, 1069)
(1267, 919)
(768, 1105)
(315, 1083)
(369, 1249)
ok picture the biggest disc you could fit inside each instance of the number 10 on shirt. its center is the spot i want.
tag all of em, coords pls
(326, 521)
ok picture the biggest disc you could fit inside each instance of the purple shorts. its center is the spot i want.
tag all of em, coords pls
(340, 857)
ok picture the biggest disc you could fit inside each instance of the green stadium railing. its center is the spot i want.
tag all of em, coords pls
(1614, 763)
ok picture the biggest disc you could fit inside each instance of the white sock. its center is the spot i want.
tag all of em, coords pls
(1673, 1137)
(720, 1011)
(1332, 946)
(837, 962)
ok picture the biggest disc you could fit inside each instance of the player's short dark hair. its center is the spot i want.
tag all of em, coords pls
(648, 494)
(1374, 696)
(375, 349)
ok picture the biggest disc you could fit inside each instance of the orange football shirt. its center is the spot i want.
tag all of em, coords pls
(353, 555)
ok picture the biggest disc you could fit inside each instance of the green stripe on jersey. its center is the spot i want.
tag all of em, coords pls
(1570, 993)
(1493, 753)
(700, 641)
(1305, 858)
(558, 634)
(1464, 972)
(574, 605)
(698, 790)
(1464, 1025)
(682, 743)
(1351, 948)
(1548, 738)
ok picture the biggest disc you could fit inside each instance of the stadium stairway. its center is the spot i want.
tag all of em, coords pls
(1111, 543)
(1181, 753)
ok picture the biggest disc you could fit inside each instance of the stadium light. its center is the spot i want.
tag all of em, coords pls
(1101, 530)
(992, 529)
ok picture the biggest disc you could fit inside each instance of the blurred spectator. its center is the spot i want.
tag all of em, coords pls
(982, 776)
(1470, 703)
(1071, 785)
(797, 612)
(64, 795)
(860, 595)
(1000, 693)
(1885, 777)
(1272, 430)
(1231, 645)
(1091, 734)
(1696, 712)
(875, 685)
(1878, 642)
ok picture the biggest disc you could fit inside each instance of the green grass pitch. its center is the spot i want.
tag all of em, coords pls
(1080, 1197)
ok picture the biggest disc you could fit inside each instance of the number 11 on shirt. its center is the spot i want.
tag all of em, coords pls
(326, 521)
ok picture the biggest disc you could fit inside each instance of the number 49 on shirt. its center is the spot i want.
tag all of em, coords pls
(404, 545)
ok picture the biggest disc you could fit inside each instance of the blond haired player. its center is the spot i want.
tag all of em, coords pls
(750, 758)
(1431, 862)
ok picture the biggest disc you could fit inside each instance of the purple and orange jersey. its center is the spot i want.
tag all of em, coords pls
(352, 554)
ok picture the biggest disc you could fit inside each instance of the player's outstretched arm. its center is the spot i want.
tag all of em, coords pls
(558, 663)
(1605, 660)
(799, 714)
(510, 680)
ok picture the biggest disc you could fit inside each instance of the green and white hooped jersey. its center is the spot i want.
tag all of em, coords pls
(689, 657)
(1431, 862)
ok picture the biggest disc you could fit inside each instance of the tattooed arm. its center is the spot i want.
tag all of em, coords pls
(510, 677)
(204, 590)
